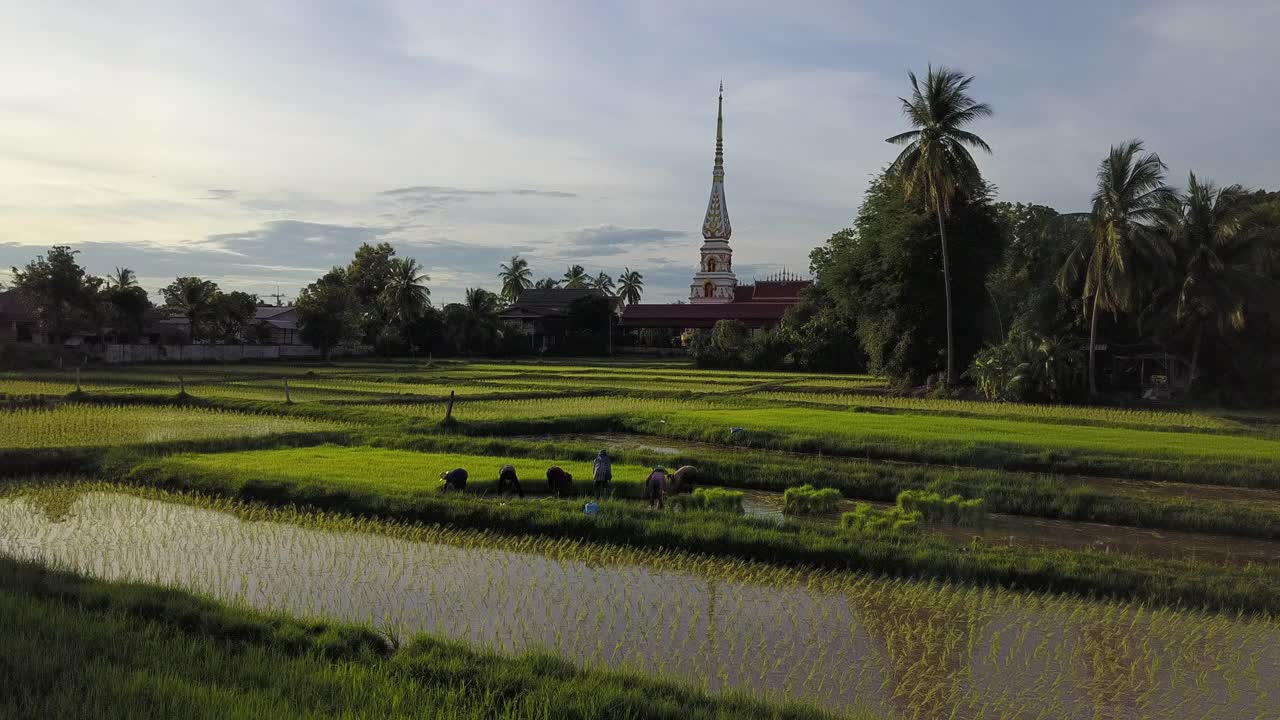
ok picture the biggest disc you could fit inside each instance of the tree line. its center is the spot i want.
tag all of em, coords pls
(937, 281)
(378, 299)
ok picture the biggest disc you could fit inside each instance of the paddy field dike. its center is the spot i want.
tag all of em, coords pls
(274, 540)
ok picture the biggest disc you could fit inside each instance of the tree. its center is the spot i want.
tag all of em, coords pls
(546, 284)
(328, 312)
(405, 295)
(935, 166)
(472, 326)
(630, 286)
(192, 298)
(516, 278)
(575, 278)
(127, 310)
(1131, 198)
(122, 278)
(1037, 240)
(368, 275)
(880, 278)
(230, 315)
(1220, 260)
(602, 282)
(63, 294)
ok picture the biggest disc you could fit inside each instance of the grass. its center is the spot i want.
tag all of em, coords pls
(80, 648)
(1002, 444)
(393, 473)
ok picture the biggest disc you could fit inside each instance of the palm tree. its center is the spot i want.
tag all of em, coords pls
(1219, 260)
(575, 278)
(602, 282)
(546, 284)
(123, 277)
(630, 286)
(406, 294)
(1131, 197)
(935, 166)
(481, 319)
(191, 298)
(516, 278)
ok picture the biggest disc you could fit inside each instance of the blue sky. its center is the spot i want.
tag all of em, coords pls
(259, 143)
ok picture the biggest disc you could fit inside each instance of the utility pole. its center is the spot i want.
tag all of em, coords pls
(277, 295)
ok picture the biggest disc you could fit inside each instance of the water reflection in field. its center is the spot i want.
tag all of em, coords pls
(919, 650)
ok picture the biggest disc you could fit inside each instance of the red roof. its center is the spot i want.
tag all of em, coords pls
(703, 315)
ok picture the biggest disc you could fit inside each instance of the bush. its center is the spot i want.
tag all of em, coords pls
(807, 500)
(1026, 368)
(713, 499)
(932, 507)
(893, 522)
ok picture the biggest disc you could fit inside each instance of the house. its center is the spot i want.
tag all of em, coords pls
(544, 315)
(18, 320)
(277, 324)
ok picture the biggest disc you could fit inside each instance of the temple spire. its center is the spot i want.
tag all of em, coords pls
(715, 226)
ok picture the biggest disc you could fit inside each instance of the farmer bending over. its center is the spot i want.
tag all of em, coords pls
(559, 482)
(455, 479)
(655, 486)
(507, 479)
(602, 474)
(683, 479)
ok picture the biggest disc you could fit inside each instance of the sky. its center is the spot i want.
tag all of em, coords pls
(257, 144)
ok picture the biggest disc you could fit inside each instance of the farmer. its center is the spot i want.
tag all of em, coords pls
(683, 479)
(655, 486)
(507, 480)
(455, 479)
(602, 474)
(559, 482)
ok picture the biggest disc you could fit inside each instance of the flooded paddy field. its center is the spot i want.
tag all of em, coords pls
(908, 648)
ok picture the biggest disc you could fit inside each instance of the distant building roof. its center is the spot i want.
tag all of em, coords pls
(267, 312)
(554, 302)
(759, 305)
(15, 306)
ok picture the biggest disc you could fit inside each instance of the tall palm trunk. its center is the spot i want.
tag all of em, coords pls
(1093, 341)
(1195, 356)
(946, 282)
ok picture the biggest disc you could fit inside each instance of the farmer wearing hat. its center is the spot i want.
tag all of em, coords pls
(655, 486)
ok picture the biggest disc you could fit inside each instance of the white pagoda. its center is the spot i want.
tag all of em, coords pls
(715, 282)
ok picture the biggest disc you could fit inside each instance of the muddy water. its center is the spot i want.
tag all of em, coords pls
(915, 650)
(1068, 534)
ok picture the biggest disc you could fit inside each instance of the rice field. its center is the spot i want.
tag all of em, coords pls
(76, 426)
(910, 649)
(974, 646)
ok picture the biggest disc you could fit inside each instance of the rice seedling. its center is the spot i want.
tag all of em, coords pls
(893, 522)
(953, 509)
(711, 499)
(806, 500)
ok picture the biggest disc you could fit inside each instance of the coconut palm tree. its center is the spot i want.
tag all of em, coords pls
(602, 282)
(406, 294)
(546, 284)
(630, 286)
(193, 299)
(516, 278)
(1130, 201)
(575, 278)
(1219, 260)
(123, 277)
(935, 166)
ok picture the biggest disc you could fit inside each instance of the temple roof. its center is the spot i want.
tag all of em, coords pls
(715, 226)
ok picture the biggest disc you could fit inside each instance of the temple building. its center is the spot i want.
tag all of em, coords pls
(714, 293)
